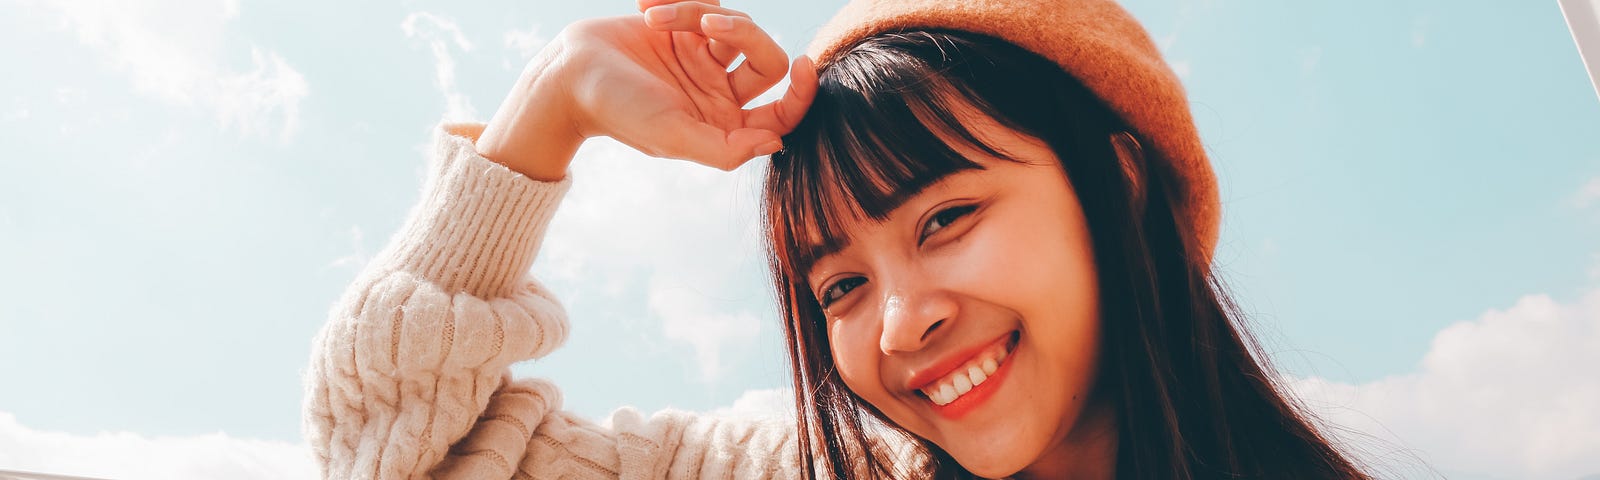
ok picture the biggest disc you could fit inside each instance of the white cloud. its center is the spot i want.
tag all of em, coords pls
(687, 316)
(129, 456)
(1181, 68)
(1594, 267)
(439, 34)
(1166, 42)
(174, 50)
(1512, 394)
(1310, 58)
(1419, 32)
(1588, 194)
(771, 402)
(71, 96)
(17, 111)
(358, 257)
(686, 234)
(525, 43)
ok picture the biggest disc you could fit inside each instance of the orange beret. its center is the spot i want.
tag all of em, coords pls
(1095, 41)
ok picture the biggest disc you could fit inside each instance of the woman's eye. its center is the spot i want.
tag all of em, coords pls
(945, 218)
(839, 289)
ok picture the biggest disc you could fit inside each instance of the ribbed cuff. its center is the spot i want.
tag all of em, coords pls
(479, 224)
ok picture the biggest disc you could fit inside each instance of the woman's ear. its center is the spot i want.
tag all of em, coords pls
(1131, 156)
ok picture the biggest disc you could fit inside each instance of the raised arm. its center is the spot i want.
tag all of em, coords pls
(410, 376)
(421, 340)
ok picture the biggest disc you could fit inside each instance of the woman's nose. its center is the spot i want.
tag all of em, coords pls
(911, 316)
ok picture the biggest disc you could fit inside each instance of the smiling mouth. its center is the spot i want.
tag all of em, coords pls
(966, 378)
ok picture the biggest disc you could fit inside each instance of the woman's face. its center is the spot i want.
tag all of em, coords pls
(985, 278)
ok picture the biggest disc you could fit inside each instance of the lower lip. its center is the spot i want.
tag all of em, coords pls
(975, 397)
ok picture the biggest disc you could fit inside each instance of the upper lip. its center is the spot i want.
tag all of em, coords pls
(922, 377)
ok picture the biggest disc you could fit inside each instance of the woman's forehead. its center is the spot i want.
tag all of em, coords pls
(858, 160)
(845, 214)
(853, 224)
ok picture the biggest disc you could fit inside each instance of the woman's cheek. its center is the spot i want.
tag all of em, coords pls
(855, 354)
(987, 257)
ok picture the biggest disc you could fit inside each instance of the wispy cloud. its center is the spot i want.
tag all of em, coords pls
(130, 456)
(1594, 267)
(1419, 31)
(358, 257)
(174, 50)
(770, 402)
(440, 34)
(1180, 67)
(1511, 394)
(524, 43)
(1310, 59)
(18, 110)
(681, 237)
(1588, 194)
(688, 316)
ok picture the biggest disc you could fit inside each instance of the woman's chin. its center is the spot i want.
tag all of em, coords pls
(993, 453)
(991, 464)
(990, 457)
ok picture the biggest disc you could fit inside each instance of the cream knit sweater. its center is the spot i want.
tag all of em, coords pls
(410, 376)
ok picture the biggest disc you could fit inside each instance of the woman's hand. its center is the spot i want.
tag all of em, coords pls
(658, 82)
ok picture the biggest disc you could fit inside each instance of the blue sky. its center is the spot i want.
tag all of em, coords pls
(1411, 194)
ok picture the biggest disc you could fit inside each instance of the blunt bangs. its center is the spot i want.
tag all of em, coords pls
(884, 126)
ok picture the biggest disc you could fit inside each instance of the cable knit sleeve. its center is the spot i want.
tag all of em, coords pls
(410, 376)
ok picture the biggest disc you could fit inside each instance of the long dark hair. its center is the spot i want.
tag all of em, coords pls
(1192, 400)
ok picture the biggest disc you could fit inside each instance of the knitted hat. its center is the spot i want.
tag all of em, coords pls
(1095, 41)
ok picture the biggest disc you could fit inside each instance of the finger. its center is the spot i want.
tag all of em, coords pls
(764, 61)
(782, 115)
(699, 69)
(684, 137)
(684, 16)
(722, 52)
(644, 4)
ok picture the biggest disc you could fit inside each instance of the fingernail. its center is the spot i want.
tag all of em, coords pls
(719, 22)
(662, 14)
(769, 148)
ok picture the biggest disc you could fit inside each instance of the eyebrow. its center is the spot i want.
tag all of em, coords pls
(815, 252)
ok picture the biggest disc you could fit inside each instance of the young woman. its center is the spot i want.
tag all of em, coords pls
(990, 226)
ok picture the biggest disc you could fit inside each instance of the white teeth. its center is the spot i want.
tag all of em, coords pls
(962, 384)
(962, 381)
(977, 375)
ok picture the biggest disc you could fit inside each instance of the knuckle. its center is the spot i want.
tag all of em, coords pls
(714, 7)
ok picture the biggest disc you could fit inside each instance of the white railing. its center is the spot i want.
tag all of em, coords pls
(1583, 18)
(16, 475)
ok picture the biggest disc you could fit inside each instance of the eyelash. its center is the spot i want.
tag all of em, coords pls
(828, 299)
(944, 218)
